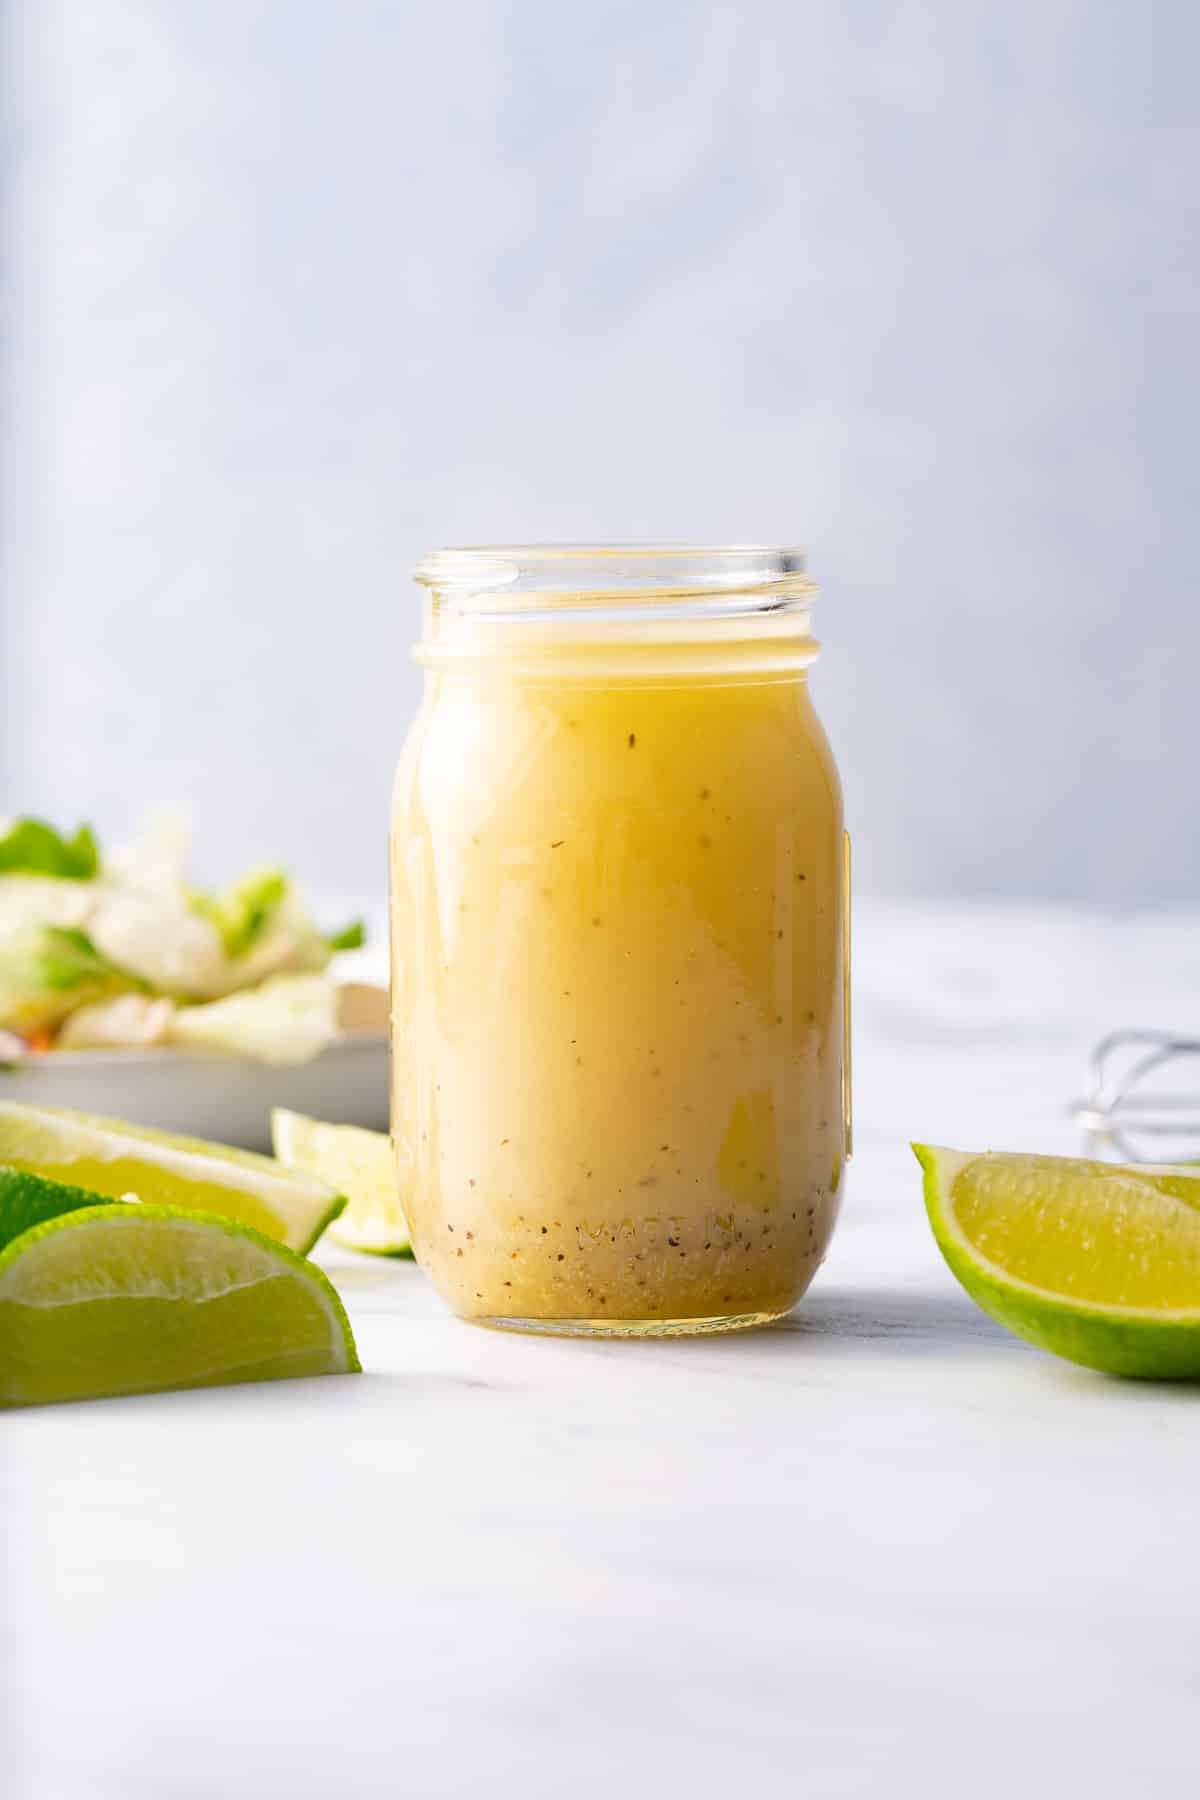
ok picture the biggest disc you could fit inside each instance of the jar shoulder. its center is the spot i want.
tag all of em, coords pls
(755, 741)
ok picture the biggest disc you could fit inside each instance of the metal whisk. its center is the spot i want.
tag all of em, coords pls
(1128, 1114)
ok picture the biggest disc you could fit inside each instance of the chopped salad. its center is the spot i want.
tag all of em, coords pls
(120, 951)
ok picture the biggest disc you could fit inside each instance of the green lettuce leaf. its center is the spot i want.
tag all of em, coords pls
(244, 911)
(69, 959)
(350, 937)
(31, 847)
(49, 971)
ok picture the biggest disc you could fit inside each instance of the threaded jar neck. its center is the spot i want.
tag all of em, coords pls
(536, 604)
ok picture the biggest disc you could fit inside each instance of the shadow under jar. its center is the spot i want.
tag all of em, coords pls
(619, 940)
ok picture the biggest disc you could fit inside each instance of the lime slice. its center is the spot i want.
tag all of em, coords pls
(116, 1160)
(1096, 1262)
(355, 1162)
(135, 1299)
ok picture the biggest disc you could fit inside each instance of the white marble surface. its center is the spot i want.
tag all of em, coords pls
(882, 1548)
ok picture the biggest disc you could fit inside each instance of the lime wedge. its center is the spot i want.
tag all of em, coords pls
(355, 1162)
(1097, 1262)
(116, 1161)
(135, 1299)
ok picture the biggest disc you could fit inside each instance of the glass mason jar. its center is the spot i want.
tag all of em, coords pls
(619, 941)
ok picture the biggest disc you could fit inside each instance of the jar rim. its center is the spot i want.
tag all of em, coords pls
(499, 574)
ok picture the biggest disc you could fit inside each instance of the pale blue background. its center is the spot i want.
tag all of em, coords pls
(299, 290)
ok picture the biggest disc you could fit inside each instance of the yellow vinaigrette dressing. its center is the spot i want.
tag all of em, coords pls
(619, 939)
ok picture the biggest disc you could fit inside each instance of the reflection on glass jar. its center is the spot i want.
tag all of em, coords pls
(619, 937)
